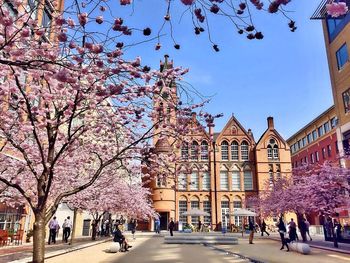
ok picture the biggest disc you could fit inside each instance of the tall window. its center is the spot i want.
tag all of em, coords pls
(334, 122)
(304, 141)
(204, 150)
(317, 157)
(33, 8)
(184, 151)
(207, 208)
(224, 150)
(342, 56)
(206, 181)
(182, 209)
(329, 150)
(314, 135)
(225, 213)
(223, 180)
(182, 181)
(326, 127)
(320, 131)
(346, 100)
(309, 138)
(194, 150)
(248, 180)
(194, 204)
(272, 149)
(194, 181)
(244, 151)
(271, 179)
(237, 202)
(236, 181)
(234, 151)
(278, 172)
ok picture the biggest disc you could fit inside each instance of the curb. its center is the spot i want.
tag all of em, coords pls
(62, 251)
(321, 247)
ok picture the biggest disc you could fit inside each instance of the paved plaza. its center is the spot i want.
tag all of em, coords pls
(152, 249)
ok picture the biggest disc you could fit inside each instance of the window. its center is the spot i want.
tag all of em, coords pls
(314, 135)
(182, 181)
(323, 153)
(204, 150)
(329, 150)
(194, 181)
(278, 172)
(317, 157)
(334, 122)
(184, 151)
(342, 56)
(206, 181)
(248, 180)
(326, 127)
(312, 158)
(271, 179)
(234, 151)
(207, 208)
(194, 151)
(346, 100)
(224, 150)
(33, 8)
(304, 141)
(244, 151)
(299, 144)
(236, 181)
(237, 202)
(161, 181)
(336, 147)
(309, 138)
(223, 180)
(332, 25)
(10, 7)
(320, 131)
(272, 150)
(194, 219)
(182, 209)
(47, 19)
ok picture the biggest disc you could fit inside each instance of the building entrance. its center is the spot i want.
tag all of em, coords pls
(164, 219)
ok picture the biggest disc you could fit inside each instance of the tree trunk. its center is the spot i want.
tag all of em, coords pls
(39, 237)
(74, 226)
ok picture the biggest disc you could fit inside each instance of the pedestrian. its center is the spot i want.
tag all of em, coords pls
(337, 228)
(292, 230)
(302, 228)
(263, 228)
(67, 227)
(199, 226)
(157, 225)
(120, 238)
(282, 231)
(171, 226)
(307, 223)
(53, 227)
(133, 225)
(251, 227)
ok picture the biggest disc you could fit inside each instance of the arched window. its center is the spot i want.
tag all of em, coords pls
(182, 209)
(194, 181)
(234, 151)
(194, 205)
(194, 150)
(278, 173)
(206, 181)
(237, 202)
(272, 150)
(223, 180)
(244, 151)
(184, 151)
(182, 181)
(271, 178)
(236, 181)
(248, 179)
(207, 208)
(224, 150)
(225, 212)
(204, 150)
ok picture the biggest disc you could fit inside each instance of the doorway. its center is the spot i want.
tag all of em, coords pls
(164, 218)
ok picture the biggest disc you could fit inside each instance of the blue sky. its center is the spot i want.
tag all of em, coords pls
(285, 75)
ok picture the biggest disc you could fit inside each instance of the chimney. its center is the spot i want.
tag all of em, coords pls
(270, 124)
(250, 133)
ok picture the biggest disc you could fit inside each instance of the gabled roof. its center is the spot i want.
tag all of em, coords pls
(276, 133)
(231, 121)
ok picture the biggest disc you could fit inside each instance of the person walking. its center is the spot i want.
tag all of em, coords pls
(263, 228)
(302, 228)
(171, 226)
(251, 229)
(67, 227)
(292, 230)
(157, 225)
(282, 231)
(133, 225)
(53, 227)
(307, 223)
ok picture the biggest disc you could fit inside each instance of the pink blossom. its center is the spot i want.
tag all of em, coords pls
(97, 48)
(60, 21)
(83, 18)
(62, 37)
(25, 32)
(99, 19)
(125, 2)
(71, 22)
(188, 2)
(335, 9)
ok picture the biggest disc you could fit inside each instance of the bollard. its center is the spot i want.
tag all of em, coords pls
(300, 248)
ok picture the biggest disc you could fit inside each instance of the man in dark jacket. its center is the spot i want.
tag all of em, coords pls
(171, 226)
(120, 238)
(251, 229)
(282, 230)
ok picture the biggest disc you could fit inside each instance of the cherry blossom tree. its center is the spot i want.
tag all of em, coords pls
(319, 188)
